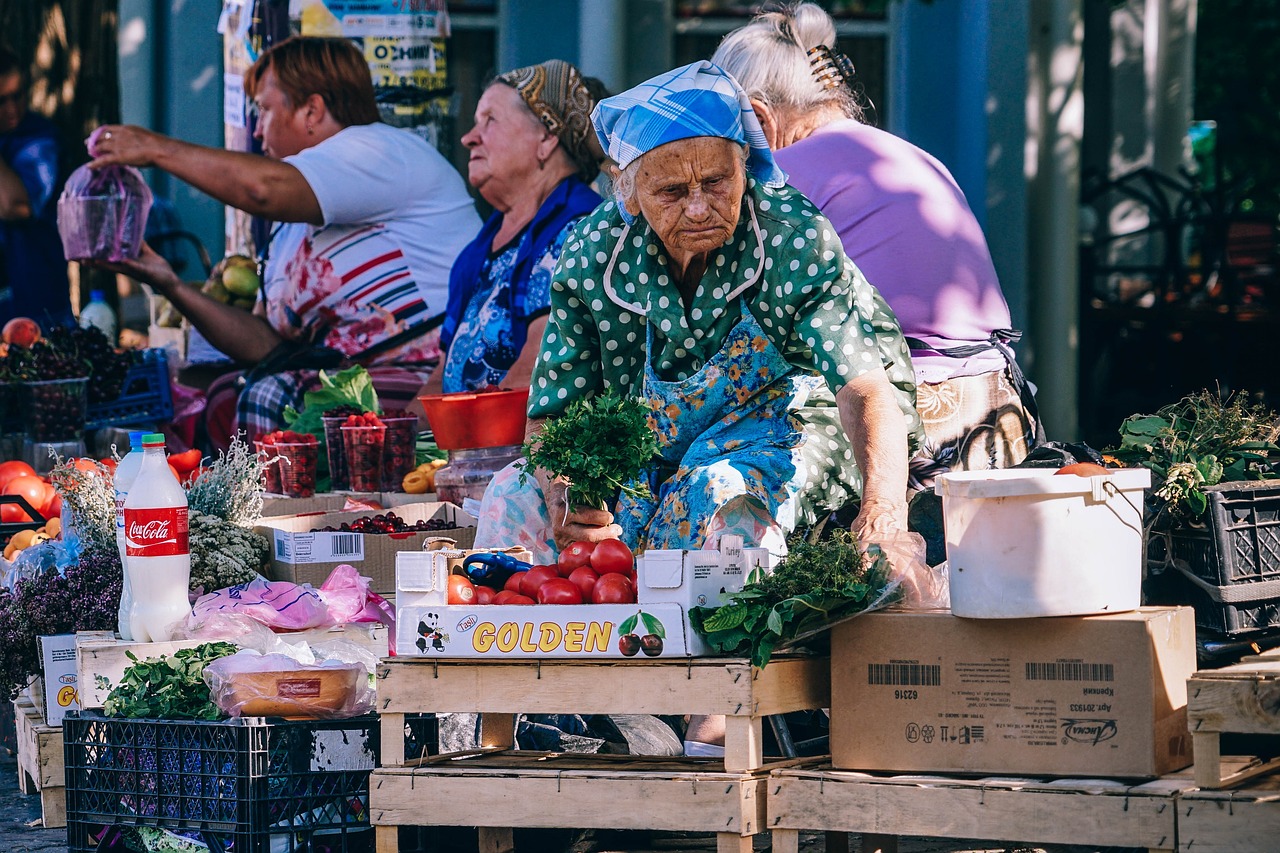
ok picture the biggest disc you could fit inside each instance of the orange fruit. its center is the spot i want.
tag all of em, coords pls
(1083, 469)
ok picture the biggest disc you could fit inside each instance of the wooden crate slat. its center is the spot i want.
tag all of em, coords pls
(41, 762)
(1230, 821)
(692, 686)
(1246, 705)
(1138, 816)
(724, 803)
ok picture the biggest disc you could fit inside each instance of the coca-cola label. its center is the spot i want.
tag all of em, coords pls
(156, 532)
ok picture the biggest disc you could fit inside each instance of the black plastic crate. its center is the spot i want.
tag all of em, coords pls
(145, 395)
(248, 785)
(1228, 570)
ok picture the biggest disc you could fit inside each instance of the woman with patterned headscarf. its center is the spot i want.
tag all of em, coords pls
(532, 159)
(777, 378)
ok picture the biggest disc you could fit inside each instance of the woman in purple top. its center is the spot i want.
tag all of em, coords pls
(906, 224)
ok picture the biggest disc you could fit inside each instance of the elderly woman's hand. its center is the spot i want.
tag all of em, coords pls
(125, 145)
(886, 526)
(574, 524)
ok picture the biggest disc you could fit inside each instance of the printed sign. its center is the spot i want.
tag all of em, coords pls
(381, 18)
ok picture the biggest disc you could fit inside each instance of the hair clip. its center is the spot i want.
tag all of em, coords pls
(830, 67)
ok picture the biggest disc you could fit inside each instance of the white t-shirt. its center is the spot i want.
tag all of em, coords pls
(396, 215)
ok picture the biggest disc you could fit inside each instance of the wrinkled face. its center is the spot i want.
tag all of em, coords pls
(13, 101)
(282, 128)
(504, 142)
(690, 192)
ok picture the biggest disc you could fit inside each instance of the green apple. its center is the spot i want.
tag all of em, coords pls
(240, 280)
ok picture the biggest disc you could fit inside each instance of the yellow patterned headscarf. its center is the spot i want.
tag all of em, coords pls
(555, 92)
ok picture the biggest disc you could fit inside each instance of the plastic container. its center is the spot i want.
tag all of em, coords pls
(55, 409)
(157, 547)
(247, 784)
(297, 468)
(271, 470)
(98, 313)
(469, 471)
(466, 421)
(398, 451)
(145, 395)
(336, 453)
(363, 447)
(1027, 542)
(126, 473)
(102, 214)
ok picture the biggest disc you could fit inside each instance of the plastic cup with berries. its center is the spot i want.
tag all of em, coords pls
(298, 453)
(363, 440)
(398, 448)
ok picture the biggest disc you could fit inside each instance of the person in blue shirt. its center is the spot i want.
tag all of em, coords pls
(33, 271)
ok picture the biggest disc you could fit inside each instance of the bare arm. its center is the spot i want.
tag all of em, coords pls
(15, 204)
(255, 184)
(876, 429)
(243, 336)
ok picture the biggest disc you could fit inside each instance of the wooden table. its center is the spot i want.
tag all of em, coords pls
(555, 790)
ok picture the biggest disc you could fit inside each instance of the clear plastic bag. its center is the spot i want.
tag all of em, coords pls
(251, 684)
(280, 605)
(102, 214)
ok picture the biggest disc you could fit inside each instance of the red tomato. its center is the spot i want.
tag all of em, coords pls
(535, 578)
(87, 465)
(613, 588)
(52, 507)
(513, 582)
(612, 555)
(14, 468)
(563, 570)
(10, 513)
(109, 463)
(484, 594)
(559, 591)
(584, 578)
(35, 490)
(461, 590)
(577, 554)
(507, 597)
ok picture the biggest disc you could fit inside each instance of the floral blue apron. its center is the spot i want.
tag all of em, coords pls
(735, 455)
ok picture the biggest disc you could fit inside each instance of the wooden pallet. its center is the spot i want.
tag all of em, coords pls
(1236, 821)
(553, 790)
(1038, 811)
(1243, 699)
(40, 762)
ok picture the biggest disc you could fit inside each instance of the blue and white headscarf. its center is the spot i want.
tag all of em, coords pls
(700, 99)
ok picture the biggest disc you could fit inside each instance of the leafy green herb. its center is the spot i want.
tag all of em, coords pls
(600, 445)
(169, 687)
(350, 387)
(1199, 441)
(817, 584)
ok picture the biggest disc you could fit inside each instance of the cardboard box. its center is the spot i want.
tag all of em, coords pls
(302, 554)
(102, 657)
(1065, 696)
(277, 505)
(670, 583)
(59, 655)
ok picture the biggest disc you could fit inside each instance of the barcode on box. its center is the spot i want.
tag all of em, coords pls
(348, 547)
(905, 674)
(1070, 671)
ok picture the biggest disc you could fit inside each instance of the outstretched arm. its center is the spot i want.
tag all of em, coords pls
(255, 184)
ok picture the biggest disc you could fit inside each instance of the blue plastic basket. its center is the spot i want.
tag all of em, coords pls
(145, 396)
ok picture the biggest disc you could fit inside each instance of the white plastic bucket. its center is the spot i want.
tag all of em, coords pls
(1027, 542)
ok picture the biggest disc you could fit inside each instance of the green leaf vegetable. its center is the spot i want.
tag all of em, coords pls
(169, 687)
(600, 445)
(1199, 441)
(350, 387)
(817, 584)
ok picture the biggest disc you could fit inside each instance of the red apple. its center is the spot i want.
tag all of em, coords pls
(21, 332)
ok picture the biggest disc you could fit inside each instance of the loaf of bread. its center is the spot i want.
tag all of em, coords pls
(312, 692)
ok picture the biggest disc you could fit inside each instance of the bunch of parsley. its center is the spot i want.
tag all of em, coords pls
(600, 445)
(818, 583)
(170, 687)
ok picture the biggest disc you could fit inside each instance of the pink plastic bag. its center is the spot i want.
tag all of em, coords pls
(102, 214)
(280, 605)
(347, 594)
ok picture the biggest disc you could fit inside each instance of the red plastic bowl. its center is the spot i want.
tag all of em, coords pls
(467, 420)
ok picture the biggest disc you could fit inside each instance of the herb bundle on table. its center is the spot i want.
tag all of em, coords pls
(817, 584)
(170, 687)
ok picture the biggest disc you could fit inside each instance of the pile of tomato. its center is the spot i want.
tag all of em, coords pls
(585, 573)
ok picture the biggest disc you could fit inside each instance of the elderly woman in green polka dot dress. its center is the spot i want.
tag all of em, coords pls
(778, 380)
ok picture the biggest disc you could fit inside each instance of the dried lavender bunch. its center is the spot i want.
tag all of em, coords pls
(231, 487)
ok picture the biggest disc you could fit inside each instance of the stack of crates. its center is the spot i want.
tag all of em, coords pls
(249, 785)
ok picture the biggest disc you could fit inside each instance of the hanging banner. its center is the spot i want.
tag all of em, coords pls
(410, 61)
(379, 18)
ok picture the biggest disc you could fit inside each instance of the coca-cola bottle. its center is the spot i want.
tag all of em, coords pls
(158, 559)
(126, 473)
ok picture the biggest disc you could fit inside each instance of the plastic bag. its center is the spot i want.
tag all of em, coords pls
(923, 587)
(280, 605)
(102, 214)
(276, 685)
(346, 592)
